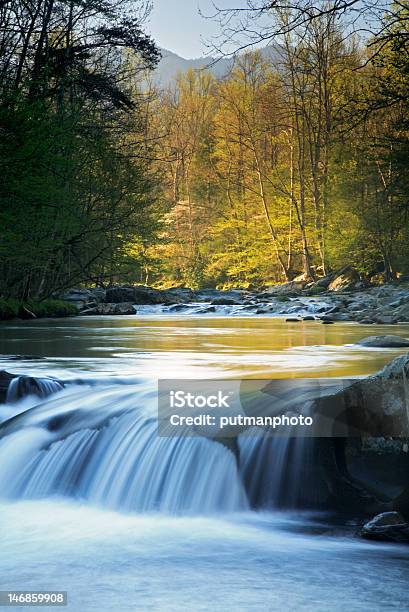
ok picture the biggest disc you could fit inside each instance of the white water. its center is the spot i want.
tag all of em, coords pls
(101, 445)
(157, 563)
(95, 504)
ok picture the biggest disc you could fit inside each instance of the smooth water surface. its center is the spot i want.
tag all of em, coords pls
(189, 347)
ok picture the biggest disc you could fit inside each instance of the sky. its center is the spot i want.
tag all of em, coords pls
(177, 26)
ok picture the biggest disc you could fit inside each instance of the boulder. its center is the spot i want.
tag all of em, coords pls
(290, 289)
(372, 407)
(142, 295)
(346, 279)
(180, 294)
(125, 308)
(123, 294)
(384, 342)
(83, 299)
(325, 282)
(387, 527)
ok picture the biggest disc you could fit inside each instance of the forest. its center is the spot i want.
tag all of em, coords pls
(294, 163)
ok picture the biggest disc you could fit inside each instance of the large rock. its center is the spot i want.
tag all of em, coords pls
(180, 294)
(290, 289)
(387, 527)
(142, 295)
(384, 342)
(372, 407)
(346, 278)
(83, 299)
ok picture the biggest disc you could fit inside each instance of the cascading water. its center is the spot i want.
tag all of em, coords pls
(280, 472)
(102, 446)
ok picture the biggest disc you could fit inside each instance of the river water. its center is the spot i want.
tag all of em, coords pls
(122, 523)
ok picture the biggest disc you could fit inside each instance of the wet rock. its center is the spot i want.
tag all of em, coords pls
(225, 301)
(22, 386)
(178, 307)
(387, 527)
(309, 318)
(249, 308)
(384, 342)
(5, 380)
(372, 407)
(326, 319)
(293, 320)
(207, 309)
(125, 308)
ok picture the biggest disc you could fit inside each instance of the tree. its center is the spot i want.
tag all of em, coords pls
(77, 186)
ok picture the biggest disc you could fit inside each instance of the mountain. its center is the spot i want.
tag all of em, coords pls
(172, 64)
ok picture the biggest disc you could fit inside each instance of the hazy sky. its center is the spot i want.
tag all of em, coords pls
(176, 24)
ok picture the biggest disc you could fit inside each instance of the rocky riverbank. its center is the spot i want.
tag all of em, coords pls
(342, 296)
(386, 304)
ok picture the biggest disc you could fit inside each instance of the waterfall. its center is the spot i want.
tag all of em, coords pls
(102, 446)
(21, 386)
(281, 472)
(99, 444)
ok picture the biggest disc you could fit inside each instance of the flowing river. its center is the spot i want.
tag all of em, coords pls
(92, 502)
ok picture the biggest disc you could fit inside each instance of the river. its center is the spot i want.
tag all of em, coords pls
(123, 522)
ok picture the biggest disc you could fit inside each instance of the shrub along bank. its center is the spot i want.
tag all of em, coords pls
(31, 309)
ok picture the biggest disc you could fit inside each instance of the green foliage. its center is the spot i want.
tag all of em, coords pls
(12, 309)
(77, 185)
(51, 308)
(9, 309)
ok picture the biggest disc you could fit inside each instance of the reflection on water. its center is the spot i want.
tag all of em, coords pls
(187, 347)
